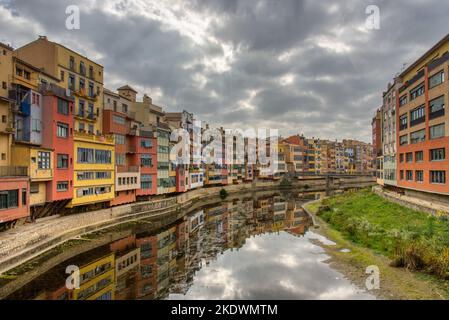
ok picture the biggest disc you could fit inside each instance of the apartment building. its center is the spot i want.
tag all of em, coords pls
(94, 169)
(294, 154)
(377, 145)
(120, 121)
(14, 181)
(389, 134)
(422, 122)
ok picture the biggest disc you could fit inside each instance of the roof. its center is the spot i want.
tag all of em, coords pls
(5, 46)
(295, 140)
(425, 55)
(44, 38)
(127, 87)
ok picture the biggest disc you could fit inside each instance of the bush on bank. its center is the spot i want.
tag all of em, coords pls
(412, 239)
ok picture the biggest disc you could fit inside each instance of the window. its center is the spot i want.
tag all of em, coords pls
(401, 174)
(63, 161)
(402, 100)
(87, 175)
(19, 72)
(401, 158)
(82, 68)
(419, 176)
(403, 122)
(146, 181)
(63, 106)
(4, 85)
(91, 129)
(120, 139)
(115, 105)
(417, 92)
(34, 188)
(91, 72)
(146, 160)
(419, 156)
(9, 199)
(103, 175)
(91, 89)
(62, 186)
(43, 160)
(26, 75)
(119, 159)
(417, 115)
(82, 84)
(81, 127)
(4, 119)
(85, 155)
(436, 107)
(118, 120)
(438, 154)
(436, 79)
(418, 136)
(24, 197)
(72, 80)
(437, 131)
(36, 125)
(438, 177)
(403, 140)
(146, 143)
(409, 175)
(409, 157)
(62, 130)
(124, 108)
(72, 63)
(103, 156)
(62, 75)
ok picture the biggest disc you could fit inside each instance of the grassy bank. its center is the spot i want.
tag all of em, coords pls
(411, 239)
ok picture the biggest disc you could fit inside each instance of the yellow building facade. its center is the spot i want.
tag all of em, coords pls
(40, 169)
(6, 119)
(97, 280)
(94, 159)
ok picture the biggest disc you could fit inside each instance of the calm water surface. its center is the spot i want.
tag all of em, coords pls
(259, 247)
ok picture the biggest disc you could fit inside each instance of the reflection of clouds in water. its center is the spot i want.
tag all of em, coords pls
(251, 245)
(272, 266)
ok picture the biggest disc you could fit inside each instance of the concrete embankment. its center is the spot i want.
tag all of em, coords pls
(27, 242)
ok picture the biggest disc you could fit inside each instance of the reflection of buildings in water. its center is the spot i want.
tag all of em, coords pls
(127, 267)
(151, 266)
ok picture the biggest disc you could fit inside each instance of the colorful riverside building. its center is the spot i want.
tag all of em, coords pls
(119, 120)
(43, 136)
(14, 181)
(422, 122)
(94, 169)
(376, 125)
(294, 154)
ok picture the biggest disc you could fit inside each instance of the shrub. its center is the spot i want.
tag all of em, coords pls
(223, 194)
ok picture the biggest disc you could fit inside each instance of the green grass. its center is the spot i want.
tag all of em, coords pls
(412, 239)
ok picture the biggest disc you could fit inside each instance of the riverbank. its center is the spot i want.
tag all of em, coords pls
(377, 232)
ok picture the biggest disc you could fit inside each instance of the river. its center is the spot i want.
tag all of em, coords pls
(260, 246)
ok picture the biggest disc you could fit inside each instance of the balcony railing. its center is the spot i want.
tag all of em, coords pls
(417, 121)
(11, 171)
(436, 114)
(95, 138)
(126, 169)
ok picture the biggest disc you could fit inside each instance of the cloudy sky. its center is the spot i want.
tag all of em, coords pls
(296, 65)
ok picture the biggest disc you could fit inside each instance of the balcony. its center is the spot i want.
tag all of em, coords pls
(128, 169)
(104, 139)
(436, 114)
(56, 90)
(417, 121)
(131, 149)
(11, 171)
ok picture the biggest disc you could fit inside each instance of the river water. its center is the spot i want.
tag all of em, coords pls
(261, 246)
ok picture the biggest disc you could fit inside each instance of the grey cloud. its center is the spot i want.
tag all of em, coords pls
(333, 93)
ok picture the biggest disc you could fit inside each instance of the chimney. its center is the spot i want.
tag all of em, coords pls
(147, 99)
